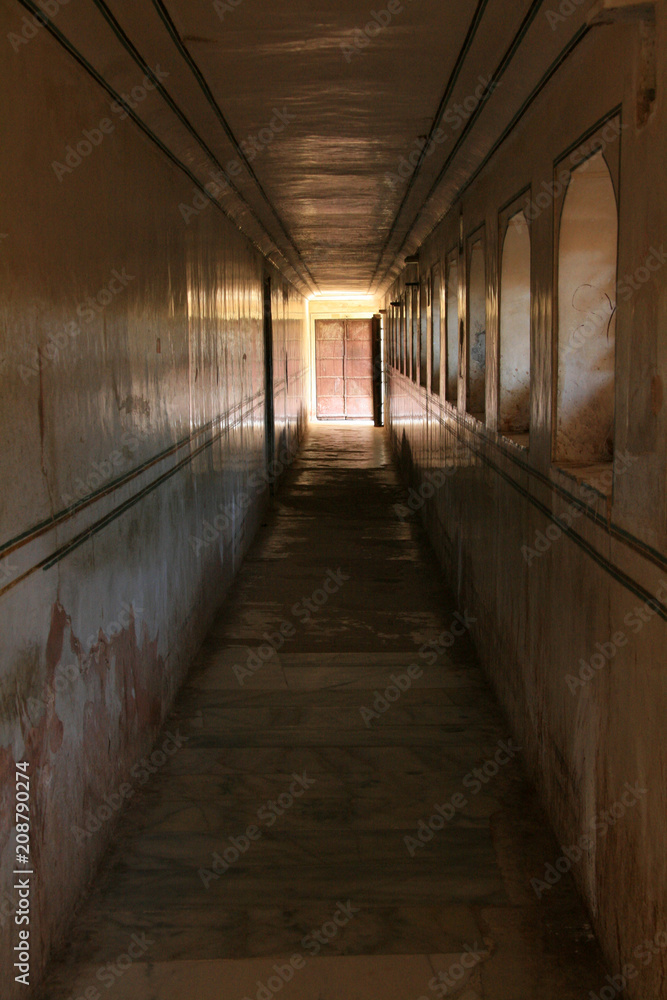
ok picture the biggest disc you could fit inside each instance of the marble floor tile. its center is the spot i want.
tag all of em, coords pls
(458, 889)
(377, 977)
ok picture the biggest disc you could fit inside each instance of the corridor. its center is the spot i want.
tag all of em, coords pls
(282, 843)
(312, 710)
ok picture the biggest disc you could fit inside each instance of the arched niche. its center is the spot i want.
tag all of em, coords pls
(436, 326)
(476, 396)
(452, 328)
(514, 367)
(587, 251)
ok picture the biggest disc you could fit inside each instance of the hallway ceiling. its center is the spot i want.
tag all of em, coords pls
(315, 192)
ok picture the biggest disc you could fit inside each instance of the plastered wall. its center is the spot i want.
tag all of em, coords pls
(132, 409)
(565, 570)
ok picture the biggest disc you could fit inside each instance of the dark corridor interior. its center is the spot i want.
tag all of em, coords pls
(333, 500)
(348, 825)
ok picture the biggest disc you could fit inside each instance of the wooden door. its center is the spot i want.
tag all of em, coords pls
(359, 368)
(344, 368)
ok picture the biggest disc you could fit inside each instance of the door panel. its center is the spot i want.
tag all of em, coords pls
(357, 408)
(330, 367)
(344, 368)
(358, 329)
(358, 368)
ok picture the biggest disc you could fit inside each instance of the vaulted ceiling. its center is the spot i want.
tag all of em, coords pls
(339, 96)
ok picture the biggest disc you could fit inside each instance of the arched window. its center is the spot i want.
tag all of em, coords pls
(587, 243)
(476, 397)
(514, 371)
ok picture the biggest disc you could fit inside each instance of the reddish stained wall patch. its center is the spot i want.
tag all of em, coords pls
(7, 785)
(74, 765)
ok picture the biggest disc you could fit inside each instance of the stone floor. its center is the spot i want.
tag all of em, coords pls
(287, 778)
